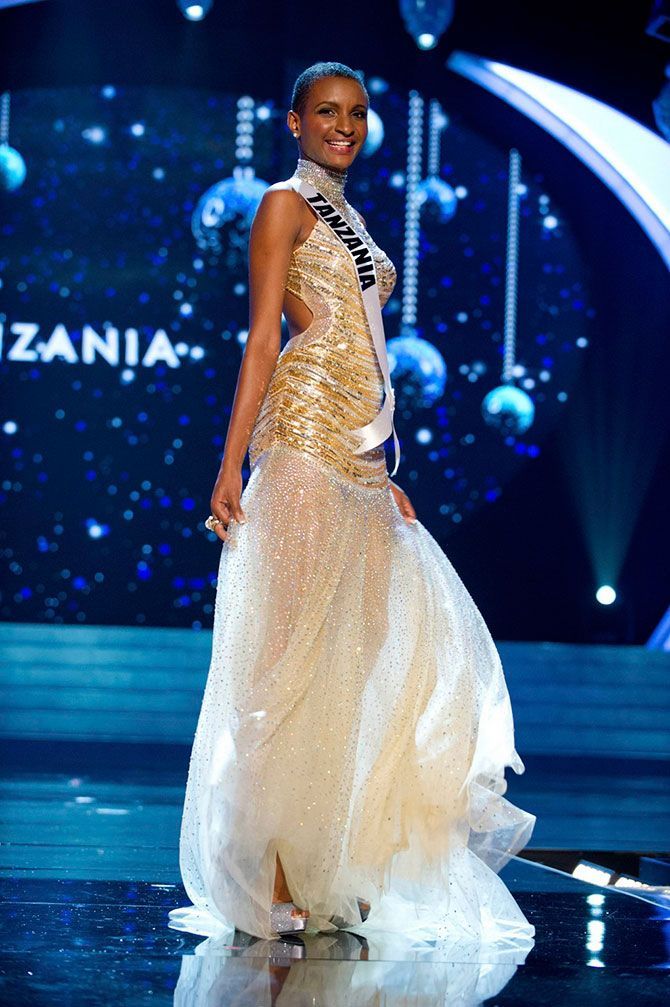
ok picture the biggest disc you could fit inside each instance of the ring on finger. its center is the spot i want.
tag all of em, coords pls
(212, 521)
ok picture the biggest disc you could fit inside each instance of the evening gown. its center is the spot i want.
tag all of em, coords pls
(355, 718)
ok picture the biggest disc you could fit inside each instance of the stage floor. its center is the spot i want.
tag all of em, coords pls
(89, 870)
(97, 942)
(95, 739)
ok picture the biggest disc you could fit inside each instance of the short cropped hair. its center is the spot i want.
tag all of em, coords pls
(316, 72)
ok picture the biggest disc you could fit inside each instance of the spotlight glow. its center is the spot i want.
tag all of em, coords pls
(194, 11)
(606, 595)
(591, 874)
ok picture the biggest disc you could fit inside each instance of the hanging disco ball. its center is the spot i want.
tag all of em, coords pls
(419, 369)
(427, 20)
(233, 201)
(12, 168)
(375, 136)
(432, 191)
(509, 409)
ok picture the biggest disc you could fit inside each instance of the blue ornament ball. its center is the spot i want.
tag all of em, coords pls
(375, 136)
(12, 168)
(233, 201)
(419, 369)
(661, 107)
(433, 192)
(509, 409)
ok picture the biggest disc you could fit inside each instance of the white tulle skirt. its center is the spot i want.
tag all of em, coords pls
(355, 722)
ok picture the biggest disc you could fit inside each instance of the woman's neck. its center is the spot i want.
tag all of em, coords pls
(329, 181)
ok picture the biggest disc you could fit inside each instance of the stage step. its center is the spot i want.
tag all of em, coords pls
(128, 684)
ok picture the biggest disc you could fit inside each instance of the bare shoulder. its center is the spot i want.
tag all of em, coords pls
(282, 194)
(283, 186)
(279, 208)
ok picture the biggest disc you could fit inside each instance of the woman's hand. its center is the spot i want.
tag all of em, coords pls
(225, 502)
(404, 503)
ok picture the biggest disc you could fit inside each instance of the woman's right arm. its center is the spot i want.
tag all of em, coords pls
(274, 232)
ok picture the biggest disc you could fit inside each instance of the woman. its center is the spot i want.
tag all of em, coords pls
(348, 763)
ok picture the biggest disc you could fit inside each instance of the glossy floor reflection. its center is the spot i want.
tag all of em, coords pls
(101, 942)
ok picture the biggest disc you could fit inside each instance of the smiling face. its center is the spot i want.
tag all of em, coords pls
(333, 125)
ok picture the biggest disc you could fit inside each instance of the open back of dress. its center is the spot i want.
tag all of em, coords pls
(355, 718)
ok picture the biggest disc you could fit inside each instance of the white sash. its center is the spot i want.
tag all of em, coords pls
(381, 427)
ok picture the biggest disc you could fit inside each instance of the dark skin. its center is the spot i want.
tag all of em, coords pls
(335, 110)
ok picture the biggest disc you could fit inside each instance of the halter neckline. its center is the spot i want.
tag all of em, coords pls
(329, 181)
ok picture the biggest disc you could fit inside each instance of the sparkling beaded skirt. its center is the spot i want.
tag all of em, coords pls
(355, 721)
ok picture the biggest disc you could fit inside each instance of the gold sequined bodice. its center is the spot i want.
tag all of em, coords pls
(327, 379)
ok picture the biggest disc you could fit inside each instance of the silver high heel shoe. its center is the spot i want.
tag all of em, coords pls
(281, 920)
(364, 910)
